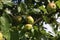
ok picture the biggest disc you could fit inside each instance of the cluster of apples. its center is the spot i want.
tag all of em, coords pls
(29, 20)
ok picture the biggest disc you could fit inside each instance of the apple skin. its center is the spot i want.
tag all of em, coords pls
(28, 26)
(18, 18)
(51, 7)
(1, 36)
(30, 20)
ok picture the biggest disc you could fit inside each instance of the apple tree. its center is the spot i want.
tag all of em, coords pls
(24, 19)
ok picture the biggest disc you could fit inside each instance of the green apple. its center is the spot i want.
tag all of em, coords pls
(18, 18)
(30, 20)
(1, 36)
(28, 26)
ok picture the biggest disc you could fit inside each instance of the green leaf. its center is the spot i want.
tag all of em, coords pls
(58, 3)
(23, 7)
(36, 28)
(5, 25)
(1, 5)
(19, 9)
(46, 19)
(43, 9)
(7, 2)
(14, 35)
(43, 32)
(37, 0)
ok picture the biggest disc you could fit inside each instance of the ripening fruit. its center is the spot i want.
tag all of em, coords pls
(30, 20)
(28, 26)
(18, 18)
(1, 36)
(51, 7)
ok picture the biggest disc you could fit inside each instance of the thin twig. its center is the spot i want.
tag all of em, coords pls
(37, 21)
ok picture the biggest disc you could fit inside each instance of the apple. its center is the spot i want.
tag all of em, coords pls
(18, 18)
(30, 20)
(51, 7)
(1, 36)
(28, 26)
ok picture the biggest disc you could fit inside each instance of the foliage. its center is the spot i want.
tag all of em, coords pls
(13, 19)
